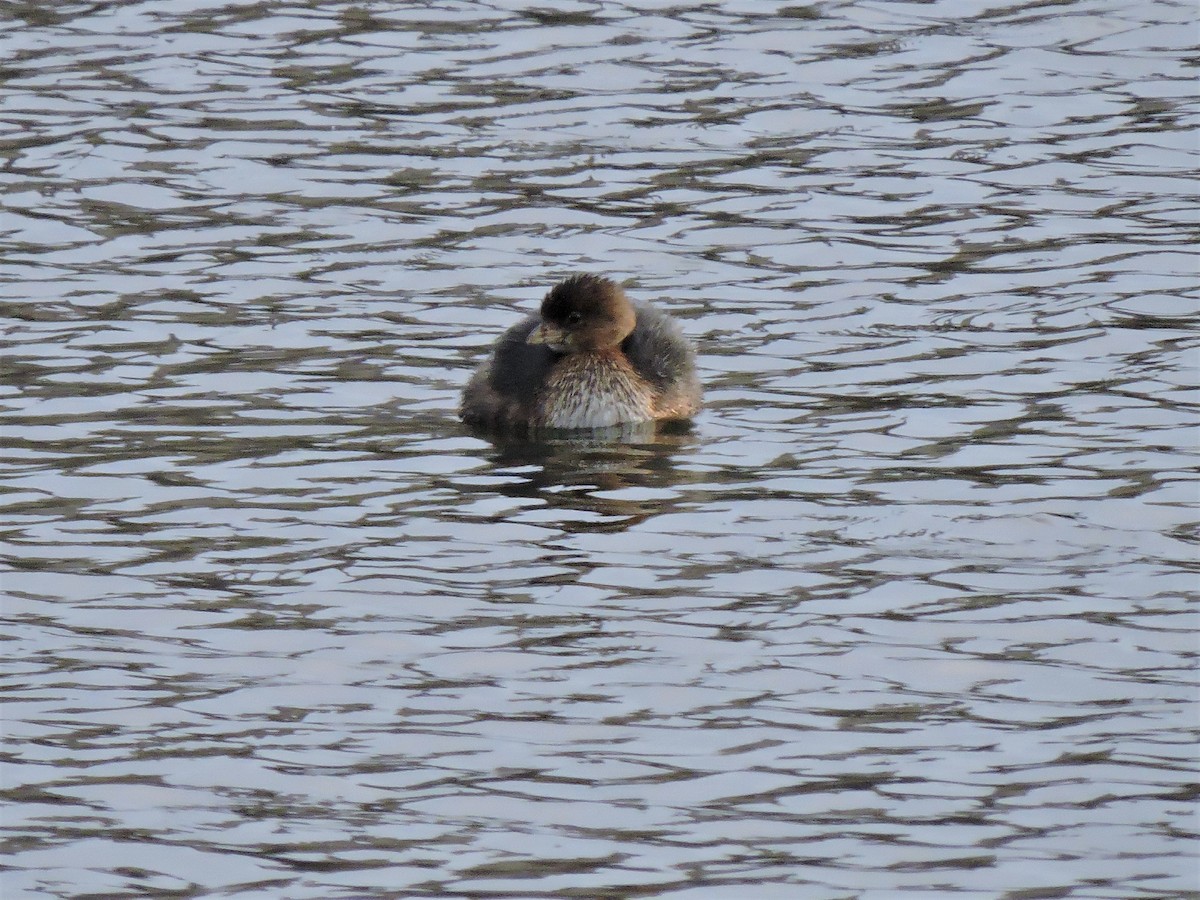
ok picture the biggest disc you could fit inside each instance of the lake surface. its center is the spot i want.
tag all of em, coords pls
(908, 611)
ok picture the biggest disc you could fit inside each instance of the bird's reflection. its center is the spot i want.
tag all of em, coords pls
(580, 472)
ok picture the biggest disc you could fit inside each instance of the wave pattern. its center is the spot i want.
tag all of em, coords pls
(906, 611)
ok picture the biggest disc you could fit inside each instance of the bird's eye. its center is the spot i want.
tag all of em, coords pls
(573, 318)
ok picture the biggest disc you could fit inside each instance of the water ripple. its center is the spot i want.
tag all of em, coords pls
(905, 611)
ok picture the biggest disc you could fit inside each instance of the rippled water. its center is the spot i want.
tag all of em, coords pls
(905, 612)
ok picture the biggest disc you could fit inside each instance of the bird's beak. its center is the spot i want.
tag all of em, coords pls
(551, 335)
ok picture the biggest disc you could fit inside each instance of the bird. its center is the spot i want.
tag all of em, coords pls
(589, 359)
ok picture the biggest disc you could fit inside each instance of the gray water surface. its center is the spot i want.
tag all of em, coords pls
(906, 612)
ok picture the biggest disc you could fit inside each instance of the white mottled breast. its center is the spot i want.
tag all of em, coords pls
(594, 390)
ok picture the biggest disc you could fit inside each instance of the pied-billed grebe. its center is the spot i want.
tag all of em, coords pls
(590, 359)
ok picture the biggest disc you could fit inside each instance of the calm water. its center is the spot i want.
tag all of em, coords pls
(907, 611)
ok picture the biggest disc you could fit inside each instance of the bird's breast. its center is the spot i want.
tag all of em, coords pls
(594, 390)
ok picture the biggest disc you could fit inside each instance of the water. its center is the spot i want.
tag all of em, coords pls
(906, 612)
